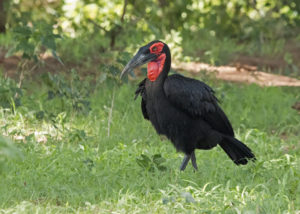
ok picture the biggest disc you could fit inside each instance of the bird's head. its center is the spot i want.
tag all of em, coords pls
(158, 57)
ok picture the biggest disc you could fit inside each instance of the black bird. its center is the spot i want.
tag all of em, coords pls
(183, 109)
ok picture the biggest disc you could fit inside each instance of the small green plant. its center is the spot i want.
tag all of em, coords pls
(10, 93)
(112, 71)
(150, 163)
(34, 39)
(8, 151)
(72, 92)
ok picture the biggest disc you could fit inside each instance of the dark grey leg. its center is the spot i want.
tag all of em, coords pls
(185, 161)
(194, 162)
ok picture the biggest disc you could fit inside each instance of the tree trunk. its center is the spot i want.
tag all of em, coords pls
(2, 16)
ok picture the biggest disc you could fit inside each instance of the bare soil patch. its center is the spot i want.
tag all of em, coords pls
(237, 72)
(242, 73)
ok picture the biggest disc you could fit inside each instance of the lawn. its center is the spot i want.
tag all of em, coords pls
(85, 148)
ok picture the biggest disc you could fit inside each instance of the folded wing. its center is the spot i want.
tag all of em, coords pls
(198, 100)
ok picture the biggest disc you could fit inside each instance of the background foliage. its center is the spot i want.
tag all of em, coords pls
(188, 24)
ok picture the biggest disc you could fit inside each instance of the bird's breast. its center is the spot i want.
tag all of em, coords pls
(164, 116)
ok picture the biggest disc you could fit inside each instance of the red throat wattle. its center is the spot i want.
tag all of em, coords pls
(155, 67)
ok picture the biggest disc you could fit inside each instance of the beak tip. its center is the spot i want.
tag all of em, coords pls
(137, 60)
(123, 73)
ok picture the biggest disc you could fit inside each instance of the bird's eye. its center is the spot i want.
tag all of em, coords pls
(154, 49)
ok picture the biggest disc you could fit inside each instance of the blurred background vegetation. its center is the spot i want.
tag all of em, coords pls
(258, 32)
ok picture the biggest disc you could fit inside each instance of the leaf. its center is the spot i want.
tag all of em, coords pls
(188, 197)
(40, 115)
(288, 58)
(144, 161)
(89, 163)
(123, 58)
(102, 77)
(113, 70)
(8, 150)
(49, 42)
(144, 71)
(132, 73)
(35, 58)
(22, 30)
(166, 200)
(25, 47)
(158, 159)
(26, 56)
(162, 168)
(10, 52)
(57, 36)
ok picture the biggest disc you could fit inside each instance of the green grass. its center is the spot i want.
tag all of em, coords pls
(71, 164)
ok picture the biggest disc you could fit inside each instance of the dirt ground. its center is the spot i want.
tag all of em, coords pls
(242, 73)
(238, 71)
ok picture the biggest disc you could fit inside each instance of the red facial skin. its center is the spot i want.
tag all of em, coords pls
(156, 66)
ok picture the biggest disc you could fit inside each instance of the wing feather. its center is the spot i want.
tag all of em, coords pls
(141, 90)
(198, 100)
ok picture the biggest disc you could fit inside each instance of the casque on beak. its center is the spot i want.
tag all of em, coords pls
(140, 58)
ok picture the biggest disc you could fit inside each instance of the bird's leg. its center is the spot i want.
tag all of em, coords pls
(194, 162)
(185, 161)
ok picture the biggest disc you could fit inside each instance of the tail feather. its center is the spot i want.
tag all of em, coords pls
(236, 150)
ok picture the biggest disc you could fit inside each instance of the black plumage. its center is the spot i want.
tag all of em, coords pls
(184, 109)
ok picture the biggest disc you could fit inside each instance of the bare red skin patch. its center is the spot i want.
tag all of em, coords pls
(156, 48)
(155, 67)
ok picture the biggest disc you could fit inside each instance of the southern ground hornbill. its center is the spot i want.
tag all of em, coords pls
(184, 109)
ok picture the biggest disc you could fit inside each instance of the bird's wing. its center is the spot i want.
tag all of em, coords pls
(190, 95)
(198, 100)
(141, 90)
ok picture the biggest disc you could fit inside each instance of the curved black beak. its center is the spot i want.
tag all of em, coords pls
(139, 59)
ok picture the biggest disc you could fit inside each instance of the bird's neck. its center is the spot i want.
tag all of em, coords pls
(158, 70)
